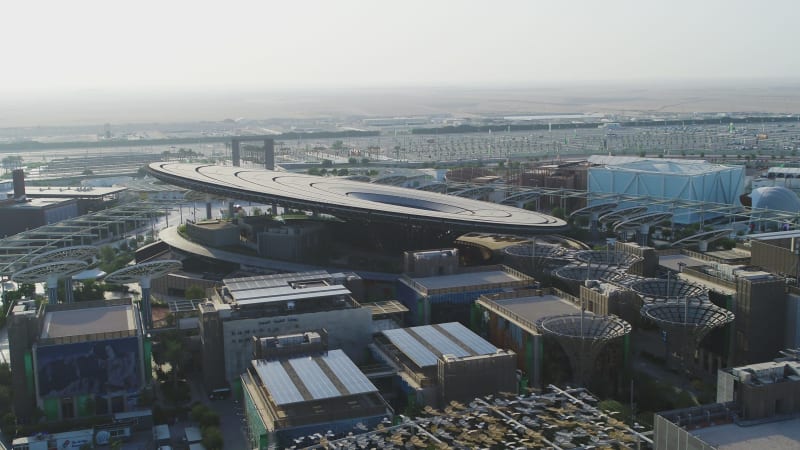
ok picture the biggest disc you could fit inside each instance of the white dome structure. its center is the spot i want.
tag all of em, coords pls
(775, 198)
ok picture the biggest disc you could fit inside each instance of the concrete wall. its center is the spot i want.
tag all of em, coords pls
(464, 379)
(778, 259)
(291, 243)
(760, 320)
(215, 234)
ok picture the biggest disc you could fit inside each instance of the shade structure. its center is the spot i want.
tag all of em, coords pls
(668, 289)
(143, 273)
(582, 336)
(74, 253)
(685, 323)
(607, 258)
(49, 273)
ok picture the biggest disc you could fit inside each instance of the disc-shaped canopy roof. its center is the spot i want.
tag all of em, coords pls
(42, 272)
(585, 327)
(579, 273)
(74, 253)
(692, 315)
(352, 199)
(137, 272)
(607, 257)
(661, 289)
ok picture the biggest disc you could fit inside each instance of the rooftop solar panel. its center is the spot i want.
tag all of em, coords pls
(314, 379)
(439, 341)
(348, 374)
(468, 338)
(268, 281)
(411, 347)
(278, 383)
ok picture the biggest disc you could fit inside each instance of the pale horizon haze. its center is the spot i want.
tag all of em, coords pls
(54, 49)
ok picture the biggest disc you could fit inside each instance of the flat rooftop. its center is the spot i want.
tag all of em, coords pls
(710, 285)
(78, 322)
(310, 378)
(285, 287)
(424, 344)
(37, 203)
(467, 279)
(535, 308)
(772, 435)
(492, 241)
(70, 191)
(671, 261)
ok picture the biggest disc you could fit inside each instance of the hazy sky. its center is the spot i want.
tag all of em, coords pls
(132, 45)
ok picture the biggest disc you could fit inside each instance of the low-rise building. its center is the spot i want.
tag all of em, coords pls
(757, 407)
(288, 398)
(274, 305)
(77, 360)
(440, 363)
(444, 298)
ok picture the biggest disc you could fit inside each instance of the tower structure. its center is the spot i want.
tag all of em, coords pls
(685, 323)
(582, 336)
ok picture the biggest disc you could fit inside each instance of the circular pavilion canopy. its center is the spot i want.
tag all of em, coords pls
(43, 272)
(607, 257)
(660, 289)
(579, 274)
(137, 272)
(351, 199)
(584, 327)
(692, 315)
(74, 253)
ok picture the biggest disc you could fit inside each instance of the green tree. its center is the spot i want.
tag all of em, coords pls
(365, 161)
(8, 423)
(174, 354)
(107, 253)
(5, 374)
(209, 419)
(198, 411)
(343, 172)
(212, 438)
(5, 399)
(327, 163)
(194, 291)
(352, 161)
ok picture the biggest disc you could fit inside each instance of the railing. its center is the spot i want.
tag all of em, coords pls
(486, 302)
(710, 278)
(566, 296)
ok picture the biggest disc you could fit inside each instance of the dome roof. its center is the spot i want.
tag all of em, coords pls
(775, 198)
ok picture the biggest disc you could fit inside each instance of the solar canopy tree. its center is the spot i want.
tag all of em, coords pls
(143, 273)
(582, 336)
(685, 323)
(75, 253)
(50, 274)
